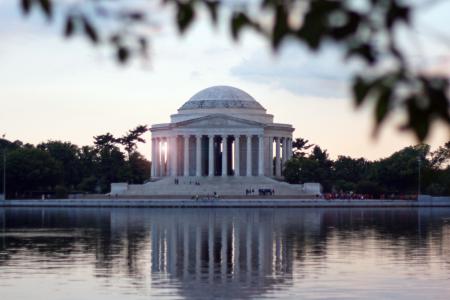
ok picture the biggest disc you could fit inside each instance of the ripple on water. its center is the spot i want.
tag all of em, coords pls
(225, 253)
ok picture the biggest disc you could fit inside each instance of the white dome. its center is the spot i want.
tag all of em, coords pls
(221, 97)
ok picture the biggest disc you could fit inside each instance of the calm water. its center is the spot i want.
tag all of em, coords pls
(224, 253)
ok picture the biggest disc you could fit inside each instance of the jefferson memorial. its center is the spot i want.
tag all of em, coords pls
(221, 140)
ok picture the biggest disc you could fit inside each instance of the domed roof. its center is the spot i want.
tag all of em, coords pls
(221, 97)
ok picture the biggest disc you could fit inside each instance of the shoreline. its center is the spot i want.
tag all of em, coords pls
(223, 203)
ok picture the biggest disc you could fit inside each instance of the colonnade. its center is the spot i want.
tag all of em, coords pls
(219, 155)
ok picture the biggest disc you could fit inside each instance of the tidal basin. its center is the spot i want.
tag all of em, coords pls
(193, 253)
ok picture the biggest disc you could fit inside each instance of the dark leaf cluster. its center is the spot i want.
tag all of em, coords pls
(366, 32)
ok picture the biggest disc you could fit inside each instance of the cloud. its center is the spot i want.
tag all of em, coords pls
(298, 71)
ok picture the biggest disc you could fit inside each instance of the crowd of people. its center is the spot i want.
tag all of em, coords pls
(214, 196)
(177, 181)
(355, 196)
(326, 196)
(261, 192)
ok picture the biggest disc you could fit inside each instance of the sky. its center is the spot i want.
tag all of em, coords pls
(57, 89)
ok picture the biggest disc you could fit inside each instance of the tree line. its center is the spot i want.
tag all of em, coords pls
(57, 168)
(396, 174)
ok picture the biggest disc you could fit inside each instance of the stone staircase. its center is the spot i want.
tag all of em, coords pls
(223, 186)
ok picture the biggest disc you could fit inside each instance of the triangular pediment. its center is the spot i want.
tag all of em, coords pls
(218, 121)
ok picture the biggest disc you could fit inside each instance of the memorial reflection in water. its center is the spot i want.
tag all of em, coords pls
(223, 253)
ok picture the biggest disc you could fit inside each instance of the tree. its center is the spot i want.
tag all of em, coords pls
(320, 155)
(301, 170)
(369, 187)
(31, 170)
(105, 142)
(367, 32)
(315, 167)
(68, 155)
(88, 161)
(399, 172)
(111, 165)
(348, 172)
(441, 157)
(139, 168)
(130, 140)
(350, 169)
(300, 146)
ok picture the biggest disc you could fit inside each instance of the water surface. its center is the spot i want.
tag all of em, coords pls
(171, 253)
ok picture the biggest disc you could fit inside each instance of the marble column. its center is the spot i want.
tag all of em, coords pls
(249, 155)
(261, 155)
(237, 164)
(153, 170)
(270, 162)
(174, 156)
(162, 156)
(186, 155)
(158, 157)
(284, 153)
(277, 157)
(198, 169)
(169, 156)
(211, 156)
(224, 155)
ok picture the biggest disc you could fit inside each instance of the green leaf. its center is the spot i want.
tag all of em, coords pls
(316, 22)
(436, 89)
(238, 21)
(396, 13)
(365, 51)
(418, 117)
(90, 31)
(212, 8)
(47, 8)
(26, 6)
(349, 28)
(361, 89)
(185, 16)
(123, 54)
(382, 105)
(281, 27)
(69, 28)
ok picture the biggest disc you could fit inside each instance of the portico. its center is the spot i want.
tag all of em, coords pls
(220, 154)
(220, 131)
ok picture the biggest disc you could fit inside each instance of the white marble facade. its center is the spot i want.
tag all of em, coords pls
(220, 131)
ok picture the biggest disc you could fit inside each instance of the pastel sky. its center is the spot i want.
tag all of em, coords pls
(52, 88)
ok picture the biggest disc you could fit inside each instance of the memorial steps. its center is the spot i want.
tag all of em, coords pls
(223, 186)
